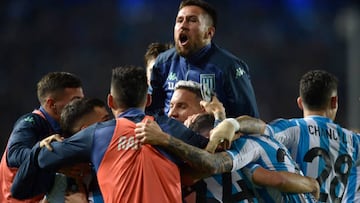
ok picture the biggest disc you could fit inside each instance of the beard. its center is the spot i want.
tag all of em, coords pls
(188, 50)
(182, 51)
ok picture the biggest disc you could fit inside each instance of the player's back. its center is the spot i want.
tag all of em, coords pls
(323, 150)
(265, 151)
(130, 172)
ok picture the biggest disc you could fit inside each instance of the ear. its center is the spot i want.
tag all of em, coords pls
(148, 100)
(334, 102)
(50, 103)
(111, 102)
(299, 103)
(211, 32)
(50, 106)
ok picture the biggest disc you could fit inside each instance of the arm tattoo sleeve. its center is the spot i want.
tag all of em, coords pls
(200, 159)
(250, 125)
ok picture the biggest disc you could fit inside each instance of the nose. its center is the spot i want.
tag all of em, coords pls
(173, 113)
(183, 24)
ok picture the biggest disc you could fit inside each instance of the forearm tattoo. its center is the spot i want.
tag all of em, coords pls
(251, 125)
(200, 159)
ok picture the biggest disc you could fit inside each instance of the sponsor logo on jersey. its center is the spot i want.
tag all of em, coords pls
(239, 72)
(171, 80)
(172, 76)
(29, 119)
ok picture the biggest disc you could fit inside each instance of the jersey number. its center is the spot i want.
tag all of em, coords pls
(341, 172)
(245, 194)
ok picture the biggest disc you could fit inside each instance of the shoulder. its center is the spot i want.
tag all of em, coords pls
(224, 58)
(104, 126)
(30, 120)
(167, 123)
(285, 123)
(166, 56)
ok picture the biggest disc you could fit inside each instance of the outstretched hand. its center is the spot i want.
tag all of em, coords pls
(149, 132)
(46, 141)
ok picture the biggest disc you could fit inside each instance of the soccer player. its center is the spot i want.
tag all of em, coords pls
(76, 183)
(126, 170)
(187, 102)
(196, 57)
(323, 149)
(260, 149)
(152, 51)
(54, 91)
(352, 193)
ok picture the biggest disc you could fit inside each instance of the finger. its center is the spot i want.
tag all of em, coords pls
(204, 103)
(193, 118)
(138, 130)
(211, 147)
(139, 125)
(229, 145)
(48, 146)
(215, 99)
(58, 138)
(143, 140)
(148, 121)
(224, 143)
(139, 136)
(187, 122)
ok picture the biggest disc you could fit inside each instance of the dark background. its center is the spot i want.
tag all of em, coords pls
(279, 40)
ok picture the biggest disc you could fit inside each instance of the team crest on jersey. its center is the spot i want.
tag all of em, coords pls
(208, 80)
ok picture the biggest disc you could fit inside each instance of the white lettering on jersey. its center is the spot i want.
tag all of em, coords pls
(126, 143)
(171, 85)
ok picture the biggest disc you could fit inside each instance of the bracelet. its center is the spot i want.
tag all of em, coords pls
(234, 122)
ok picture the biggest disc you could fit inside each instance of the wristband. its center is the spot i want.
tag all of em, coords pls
(234, 122)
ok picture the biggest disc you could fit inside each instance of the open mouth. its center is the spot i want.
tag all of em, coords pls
(183, 39)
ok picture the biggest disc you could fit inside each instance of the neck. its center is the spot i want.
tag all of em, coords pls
(119, 111)
(318, 113)
(51, 113)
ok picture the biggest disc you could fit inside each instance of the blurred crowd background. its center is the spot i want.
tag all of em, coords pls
(279, 40)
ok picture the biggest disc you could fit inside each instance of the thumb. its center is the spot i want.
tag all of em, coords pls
(211, 146)
(203, 103)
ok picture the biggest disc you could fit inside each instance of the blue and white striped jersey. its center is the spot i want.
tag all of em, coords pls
(266, 152)
(322, 149)
(229, 187)
(352, 193)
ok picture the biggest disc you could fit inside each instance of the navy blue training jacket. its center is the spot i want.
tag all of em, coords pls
(213, 66)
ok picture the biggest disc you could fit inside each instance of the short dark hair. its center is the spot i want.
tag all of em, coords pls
(55, 82)
(76, 110)
(204, 5)
(316, 88)
(154, 49)
(203, 122)
(129, 85)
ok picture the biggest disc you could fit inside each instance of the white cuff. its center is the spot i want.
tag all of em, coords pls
(234, 122)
